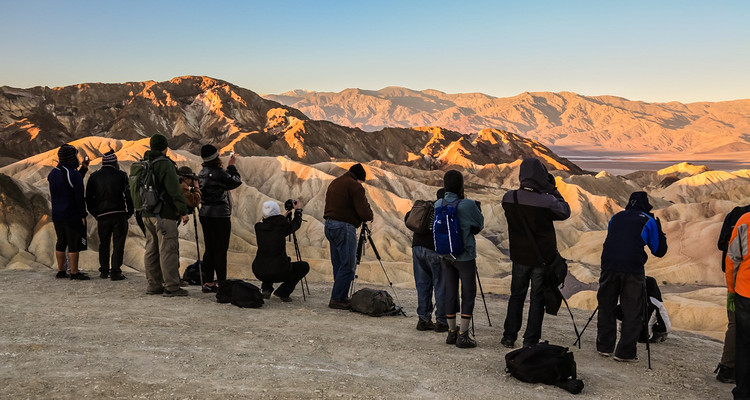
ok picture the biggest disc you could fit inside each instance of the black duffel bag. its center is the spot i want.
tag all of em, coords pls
(240, 293)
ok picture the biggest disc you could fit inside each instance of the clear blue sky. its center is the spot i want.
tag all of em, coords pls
(643, 50)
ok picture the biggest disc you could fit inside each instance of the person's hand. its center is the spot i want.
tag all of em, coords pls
(185, 219)
(297, 205)
(86, 161)
(232, 159)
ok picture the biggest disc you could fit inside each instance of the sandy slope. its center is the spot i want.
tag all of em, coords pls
(103, 339)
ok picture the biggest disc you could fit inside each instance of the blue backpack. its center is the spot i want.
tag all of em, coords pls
(446, 230)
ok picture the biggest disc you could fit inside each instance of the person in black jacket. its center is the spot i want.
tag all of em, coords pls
(623, 276)
(108, 200)
(536, 204)
(271, 263)
(215, 214)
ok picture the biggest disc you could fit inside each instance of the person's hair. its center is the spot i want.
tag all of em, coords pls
(215, 163)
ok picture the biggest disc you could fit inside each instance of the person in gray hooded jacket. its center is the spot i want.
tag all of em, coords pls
(538, 203)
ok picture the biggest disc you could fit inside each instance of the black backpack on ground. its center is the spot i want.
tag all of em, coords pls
(544, 363)
(192, 274)
(375, 303)
(240, 293)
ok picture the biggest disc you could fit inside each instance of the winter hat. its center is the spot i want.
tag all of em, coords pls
(186, 172)
(208, 153)
(359, 171)
(158, 142)
(109, 159)
(68, 155)
(453, 181)
(440, 193)
(639, 201)
(271, 208)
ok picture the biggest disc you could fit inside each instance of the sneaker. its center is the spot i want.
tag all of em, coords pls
(173, 293)
(507, 342)
(441, 326)
(157, 291)
(267, 293)
(104, 275)
(209, 287)
(339, 305)
(452, 336)
(627, 360)
(423, 325)
(464, 341)
(117, 276)
(605, 354)
(79, 276)
(725, 374)
(61, 275)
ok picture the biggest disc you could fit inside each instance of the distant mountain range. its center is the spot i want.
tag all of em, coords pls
(195, 110)
(569, 123)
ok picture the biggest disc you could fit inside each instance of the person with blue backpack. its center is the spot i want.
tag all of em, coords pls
(457, 220)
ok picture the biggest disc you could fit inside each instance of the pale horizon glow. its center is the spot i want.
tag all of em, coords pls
(687, 51)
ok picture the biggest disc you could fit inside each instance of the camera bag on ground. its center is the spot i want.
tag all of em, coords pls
(375, 303)
(544, 363)
(240, 293)
(192, 274)
(446, 231)
(421, 217)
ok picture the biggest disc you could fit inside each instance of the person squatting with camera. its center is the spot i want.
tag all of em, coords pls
(271, 263)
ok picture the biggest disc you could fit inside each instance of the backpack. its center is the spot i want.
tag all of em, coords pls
(544, 363)
(375, 303)
(146, 196)
(192, 274)
(446, 230)
(240, 293)
(421, 217)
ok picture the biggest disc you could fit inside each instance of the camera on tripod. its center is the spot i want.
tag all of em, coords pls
(289, 204)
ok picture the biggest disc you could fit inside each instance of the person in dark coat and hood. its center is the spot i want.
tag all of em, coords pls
(539, 204)
(623, 276)
(271, 262)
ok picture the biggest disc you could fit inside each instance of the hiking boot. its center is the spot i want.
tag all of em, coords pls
(529, 344)
(725, 374)
(626, 360)
(157, 291)
(104, 275)
(267, 293)
(184, 283)
(174, 293)
(61, 275)
(452, 336)
(423, 325)
(339, 305)
(464, 341)
(507, 342)
(441, 326)
(117, 276)
(79, 276)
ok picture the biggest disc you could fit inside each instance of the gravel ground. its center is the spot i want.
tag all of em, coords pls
(101, 339)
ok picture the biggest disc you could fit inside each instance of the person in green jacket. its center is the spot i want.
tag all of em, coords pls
(162, 259)
(464, 267)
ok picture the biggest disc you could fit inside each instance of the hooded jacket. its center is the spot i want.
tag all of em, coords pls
(271, 262)
(108, 193)
(539, 204)
(346, 201)
(627, 234)
(215, 183)
(66, 194)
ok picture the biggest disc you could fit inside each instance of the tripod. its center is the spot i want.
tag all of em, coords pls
(364, 236)
(578, 341)
(197, 247)
(304, 283)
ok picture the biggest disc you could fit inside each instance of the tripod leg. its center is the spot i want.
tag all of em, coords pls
(585, 326)
(197, 247)
(645, 322)
(575, 328)
(483, 299)
(387, 278)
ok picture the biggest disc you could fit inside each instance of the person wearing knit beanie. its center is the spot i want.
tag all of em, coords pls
(68, 156)
(271, 208)
(359, 171)
(209, 153)
(109, 159)
(453, 181)
(159, 143)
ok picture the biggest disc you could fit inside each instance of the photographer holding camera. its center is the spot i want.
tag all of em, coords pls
(271, 264)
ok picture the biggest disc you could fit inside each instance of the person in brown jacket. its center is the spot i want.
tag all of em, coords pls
(345, 209)
(190, 188)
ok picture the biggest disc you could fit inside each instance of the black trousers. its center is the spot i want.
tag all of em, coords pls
(522, 276)
(112, 228)
(465, 271)
(630, 289)
(216, 232)
(297, 271)
(742, 347)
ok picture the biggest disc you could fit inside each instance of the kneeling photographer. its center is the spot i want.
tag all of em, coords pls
(271, 264)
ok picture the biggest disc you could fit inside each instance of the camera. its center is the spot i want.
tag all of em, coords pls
(289, 204)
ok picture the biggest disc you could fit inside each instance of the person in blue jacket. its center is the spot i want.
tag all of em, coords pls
(623, 276)
(464, 267)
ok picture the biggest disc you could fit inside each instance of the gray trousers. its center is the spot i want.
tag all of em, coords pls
(727, 357)
(162, 258)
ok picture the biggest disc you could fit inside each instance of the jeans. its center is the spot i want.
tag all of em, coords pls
(428, 276)
(343, 239)
(216, 233)
(521, 276)
(466, 272)
(112, 228)
(630, 289)
(742, 347)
